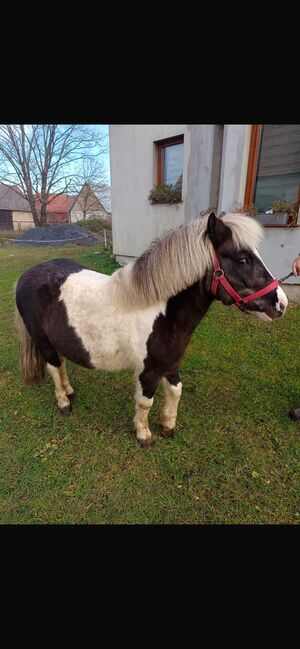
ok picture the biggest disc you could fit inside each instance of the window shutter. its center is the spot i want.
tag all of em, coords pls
(279, 150)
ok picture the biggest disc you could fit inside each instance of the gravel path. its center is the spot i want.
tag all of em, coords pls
(58, 234)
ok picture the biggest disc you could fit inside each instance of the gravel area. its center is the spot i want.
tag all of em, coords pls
(58, 234)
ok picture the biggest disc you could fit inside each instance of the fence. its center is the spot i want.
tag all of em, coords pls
(103, 236)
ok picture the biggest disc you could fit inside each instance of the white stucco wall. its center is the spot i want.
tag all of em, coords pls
(22, 220)
(235, 152)
(199, 169)
(135, 222)
(279, 248)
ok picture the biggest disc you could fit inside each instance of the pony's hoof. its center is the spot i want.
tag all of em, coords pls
(146, 443)
(66, 410)
(167, 432)
(295, 414)
(71, 396)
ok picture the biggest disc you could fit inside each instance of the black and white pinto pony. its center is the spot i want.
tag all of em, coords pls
(142, 317)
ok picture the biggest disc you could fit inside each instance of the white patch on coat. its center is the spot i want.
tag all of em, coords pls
(142, 407)
(114, 335)
(169, 413)
(282, 299)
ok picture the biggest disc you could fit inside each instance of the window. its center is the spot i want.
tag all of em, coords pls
(170, 162)
(274, 165)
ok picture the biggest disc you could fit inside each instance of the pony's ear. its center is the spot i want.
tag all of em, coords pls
(217, 231)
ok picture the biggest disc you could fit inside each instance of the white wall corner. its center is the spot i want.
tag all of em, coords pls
(235, 153)
(198, 169)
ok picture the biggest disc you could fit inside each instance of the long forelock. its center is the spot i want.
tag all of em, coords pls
(245, 230)
(178, 260)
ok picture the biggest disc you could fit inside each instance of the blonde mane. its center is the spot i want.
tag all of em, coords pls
(178, 260)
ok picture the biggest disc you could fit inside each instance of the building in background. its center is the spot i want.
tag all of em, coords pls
(92, 202)
(15, 212)
(214, 166)
(58, 208)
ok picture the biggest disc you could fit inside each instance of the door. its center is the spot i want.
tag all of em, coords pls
(6, 221)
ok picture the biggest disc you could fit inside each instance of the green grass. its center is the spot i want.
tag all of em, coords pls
(236, 454)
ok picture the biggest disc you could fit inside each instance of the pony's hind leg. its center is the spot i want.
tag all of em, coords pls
(144, 397)
(65, 379)
(60, 393)
(173, 389)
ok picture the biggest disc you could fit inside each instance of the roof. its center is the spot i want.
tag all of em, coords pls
(10, 199)
(103, 193)
(61, 203)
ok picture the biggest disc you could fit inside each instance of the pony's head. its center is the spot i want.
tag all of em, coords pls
(234, 239)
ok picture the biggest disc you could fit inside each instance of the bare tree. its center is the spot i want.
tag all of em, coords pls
(89, 175)
(39, 159)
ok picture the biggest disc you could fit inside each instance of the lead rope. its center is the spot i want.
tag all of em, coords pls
(285, 277)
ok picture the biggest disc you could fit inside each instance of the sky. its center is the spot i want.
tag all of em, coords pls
(103, 129)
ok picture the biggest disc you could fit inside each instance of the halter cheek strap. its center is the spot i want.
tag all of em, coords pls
(219, 278)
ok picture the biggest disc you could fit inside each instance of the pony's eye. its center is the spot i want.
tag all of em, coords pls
(243, 260)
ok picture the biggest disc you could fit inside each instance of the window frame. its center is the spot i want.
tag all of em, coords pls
(160, 146)
(256, 131)
(255, 138)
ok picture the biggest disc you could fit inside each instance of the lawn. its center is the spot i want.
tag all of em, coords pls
(235, 457)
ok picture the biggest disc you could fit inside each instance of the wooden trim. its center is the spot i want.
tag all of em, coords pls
(298, 200)
(252, 163)
(160, 146)
(160, 159)
(277, 225)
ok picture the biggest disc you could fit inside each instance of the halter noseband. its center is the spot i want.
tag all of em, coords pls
(219, 278)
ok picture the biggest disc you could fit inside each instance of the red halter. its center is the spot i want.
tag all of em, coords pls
(219, 278)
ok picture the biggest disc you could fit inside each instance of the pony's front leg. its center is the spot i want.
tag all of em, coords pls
(173, 389)
(144, 396)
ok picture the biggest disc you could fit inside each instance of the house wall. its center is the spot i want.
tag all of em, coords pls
(203, 156)
(22, 220)
(280, 245)
(135, 221)
(57, 217)
(88, 203)
(215, 170)
(279, 248)
(87, 200)
(234, 165)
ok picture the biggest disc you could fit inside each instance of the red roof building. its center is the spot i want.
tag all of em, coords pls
(58, 207)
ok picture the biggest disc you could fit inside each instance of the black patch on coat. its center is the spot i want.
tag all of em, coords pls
(171, 334)
(45, 316)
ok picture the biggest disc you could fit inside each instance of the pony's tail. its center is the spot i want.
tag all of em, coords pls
(32, 364)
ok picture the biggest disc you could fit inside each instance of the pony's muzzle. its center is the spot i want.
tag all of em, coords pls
(282, 301)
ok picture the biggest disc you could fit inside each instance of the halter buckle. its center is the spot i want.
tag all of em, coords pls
(219, 273)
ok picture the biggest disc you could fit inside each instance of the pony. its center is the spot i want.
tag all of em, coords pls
(143, 315)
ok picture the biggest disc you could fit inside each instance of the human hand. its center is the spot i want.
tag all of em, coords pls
(296, 266)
